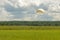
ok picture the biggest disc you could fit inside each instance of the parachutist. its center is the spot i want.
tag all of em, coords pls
(40, 11)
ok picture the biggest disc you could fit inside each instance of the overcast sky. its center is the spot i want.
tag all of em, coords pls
(25, 10)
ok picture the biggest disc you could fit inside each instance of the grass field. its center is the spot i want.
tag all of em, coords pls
(29, 34)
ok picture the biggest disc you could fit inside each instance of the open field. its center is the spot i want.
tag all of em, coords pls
(29, 34)
(29, 27)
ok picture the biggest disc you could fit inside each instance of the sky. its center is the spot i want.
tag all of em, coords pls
(25, 10)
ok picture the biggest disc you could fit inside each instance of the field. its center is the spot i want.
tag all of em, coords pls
(14, 33)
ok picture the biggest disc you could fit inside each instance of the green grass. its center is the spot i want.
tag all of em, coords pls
(29, 27)
(29, 34)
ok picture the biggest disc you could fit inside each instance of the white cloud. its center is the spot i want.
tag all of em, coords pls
(26, 10)
(54, 11)
(54, 8)
(17, 20)
(29, 2)
(13, 3)
(56, 16)
(24, 3)
(27, 19)
(4, 15)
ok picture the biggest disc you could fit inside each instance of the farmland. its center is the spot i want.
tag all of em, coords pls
(29, 30)
(29, 33)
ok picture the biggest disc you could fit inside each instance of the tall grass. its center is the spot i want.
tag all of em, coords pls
(29, 27)
(29, 34)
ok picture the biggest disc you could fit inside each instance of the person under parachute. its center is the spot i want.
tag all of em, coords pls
(40, 11)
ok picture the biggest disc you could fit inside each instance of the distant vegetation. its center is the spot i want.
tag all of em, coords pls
(31, 23)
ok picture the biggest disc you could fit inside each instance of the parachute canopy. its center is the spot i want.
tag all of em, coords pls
(40, 11)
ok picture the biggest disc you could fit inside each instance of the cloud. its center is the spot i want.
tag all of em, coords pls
(56, 16)
(24, 3)
(21, 12)
(54, 8)
(26, 10)
(5, 16)
(29, 2)
(54, 11)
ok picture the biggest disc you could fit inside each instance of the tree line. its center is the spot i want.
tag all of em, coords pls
(31, 23)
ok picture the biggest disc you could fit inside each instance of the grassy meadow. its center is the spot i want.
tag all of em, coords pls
(29, 33)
